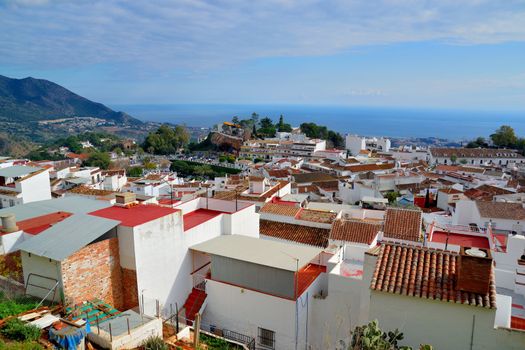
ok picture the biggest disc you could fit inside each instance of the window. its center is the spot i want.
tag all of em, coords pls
(11, 203)
(267, 338)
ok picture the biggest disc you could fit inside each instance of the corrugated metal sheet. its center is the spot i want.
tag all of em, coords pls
(284, 256)
(68, 236)
(17, 170)
(73, 204)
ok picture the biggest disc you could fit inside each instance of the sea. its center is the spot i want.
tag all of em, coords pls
(448, 124)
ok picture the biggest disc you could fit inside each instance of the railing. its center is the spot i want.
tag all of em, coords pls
(200, 275)
(238, 337)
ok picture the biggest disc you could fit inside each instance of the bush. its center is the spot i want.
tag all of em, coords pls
(15, 329)
(154, 343)
(20, 346)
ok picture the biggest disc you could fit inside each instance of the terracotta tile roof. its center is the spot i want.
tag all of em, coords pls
(328, 185)
(256, 178)
(9, 193)
(90, 191)
(424, 273)
(493, 189)
(450, 190)
(323, 217)
(280, 173)
(308, 189)
(279, 209)
(474, 153)
(402, 224)
(358, 231)
(370, 167)
(297, 233)
(312, 177)
(501, 210)
(447, 168)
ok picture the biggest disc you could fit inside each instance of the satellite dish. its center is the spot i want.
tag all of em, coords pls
(476, 252)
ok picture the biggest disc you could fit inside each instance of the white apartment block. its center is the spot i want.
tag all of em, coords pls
(355, 144)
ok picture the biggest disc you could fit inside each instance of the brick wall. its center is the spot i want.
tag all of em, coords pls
(130, 295)
(94, 272)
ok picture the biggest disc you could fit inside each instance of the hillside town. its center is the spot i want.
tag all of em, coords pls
(284, 243)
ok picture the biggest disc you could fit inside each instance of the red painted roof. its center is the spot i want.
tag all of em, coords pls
(135, 215)
(199, 216)
(38, 224)
(461, 240)
(307, 275)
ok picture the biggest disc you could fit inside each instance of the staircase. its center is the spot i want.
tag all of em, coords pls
(194, 303)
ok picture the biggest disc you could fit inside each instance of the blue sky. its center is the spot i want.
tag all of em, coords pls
(448, 54)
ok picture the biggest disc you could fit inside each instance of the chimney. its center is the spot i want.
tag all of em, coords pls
(125, 198)
(9, 223)
(474, 270)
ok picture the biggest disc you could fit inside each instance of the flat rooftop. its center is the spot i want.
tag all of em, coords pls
(461, 240)
(18, 171)
(199, 216)
(135, 215)
(279, 255)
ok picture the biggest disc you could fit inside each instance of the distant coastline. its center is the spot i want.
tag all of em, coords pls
(393, 122)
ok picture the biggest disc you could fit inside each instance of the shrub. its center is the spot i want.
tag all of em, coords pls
(154, 343)
(15, 329)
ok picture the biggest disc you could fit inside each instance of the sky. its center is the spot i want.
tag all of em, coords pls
(467, 54)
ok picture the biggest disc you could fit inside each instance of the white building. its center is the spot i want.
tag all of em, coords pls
(500, 215)
(23, 184)
(262, 289)
(445, 305)
(475, 156)
(355, 144)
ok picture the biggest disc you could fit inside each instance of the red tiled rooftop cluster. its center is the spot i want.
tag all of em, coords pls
(402, 224)
(357, 231)
(425, 273)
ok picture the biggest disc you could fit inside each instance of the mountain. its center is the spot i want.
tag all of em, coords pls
(32, 100)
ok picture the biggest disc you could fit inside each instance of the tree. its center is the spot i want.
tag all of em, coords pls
(392, 196)
(479, 142)
(463, 161)
(235, 120)
(336, 139)
(504, 136)
(453, 159)
(203, 170)
(135, 171)
(166, 140)
(267, 128)
(282, 126)
(255, 118)
(98, 159)
(181, 168)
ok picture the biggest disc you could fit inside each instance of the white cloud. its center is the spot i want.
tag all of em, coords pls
(155, 36)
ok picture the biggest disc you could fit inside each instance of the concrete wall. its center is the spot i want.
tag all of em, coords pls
(244, 222)
(253, 276)
(36, 188)
(443, 325)
(242, 310)
(35, 264)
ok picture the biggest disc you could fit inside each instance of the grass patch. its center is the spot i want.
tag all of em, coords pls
(26, 345)
(15, 306)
